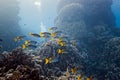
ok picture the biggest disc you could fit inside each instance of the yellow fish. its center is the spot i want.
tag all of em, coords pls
(41, 33)
(53, 34)
(59, 40)
(19, 38)
(79, 77)
(62, 43)
(30, 42)
(24, 46)
(67, 73)
(73, 70)
(48, 60)
(52, 28)
(29, 45)
(26, 42)
(61, 51)
(89, 78)
(45, 34)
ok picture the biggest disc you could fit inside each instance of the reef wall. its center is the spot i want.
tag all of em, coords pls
(92, 23)
(9, 19)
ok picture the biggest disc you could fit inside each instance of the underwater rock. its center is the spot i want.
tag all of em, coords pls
(92, 24)
(94, 11)
(87, 22)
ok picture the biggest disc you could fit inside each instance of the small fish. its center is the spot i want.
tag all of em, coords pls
(89, 78)
(53, 34)
(44, 34)
(24, 24)
(73, 70)
(67, 73)
(52, 28)
(28, 46)
(61, 51)
(59, 40)
(79, 77)
(48, 60)
(62, 43)
(30, 42)
(34, 35)
(19, 38)
(73, 42)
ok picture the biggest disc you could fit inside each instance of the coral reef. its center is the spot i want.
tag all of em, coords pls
(30, 64)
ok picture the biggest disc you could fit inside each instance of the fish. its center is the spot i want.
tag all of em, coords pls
(79, 77)
(34, 35)
(30, 42)
(73, 42)
(45, 34)
(53, 34)
(28, 46)
(59, 40)
(52, 28)
(19, 38)
(62, 43)
(51, 60)
(73, 70)
(48, 60)
(61, 51)
(89, 78)
(67, 73)
(25, 24)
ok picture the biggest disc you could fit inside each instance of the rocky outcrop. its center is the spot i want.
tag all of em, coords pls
(93, 24)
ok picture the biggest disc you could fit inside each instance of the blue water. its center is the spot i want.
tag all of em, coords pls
(116, 11)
